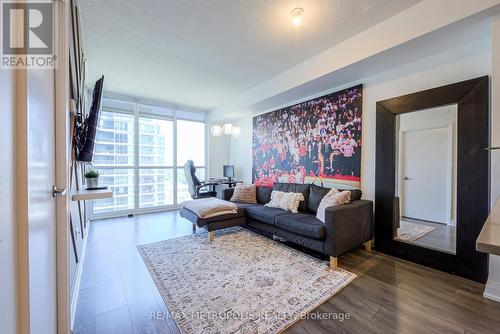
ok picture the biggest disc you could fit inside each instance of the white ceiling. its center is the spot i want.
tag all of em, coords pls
(201, 53)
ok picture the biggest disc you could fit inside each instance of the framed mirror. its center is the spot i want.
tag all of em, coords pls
(426, 178)
(431, 191)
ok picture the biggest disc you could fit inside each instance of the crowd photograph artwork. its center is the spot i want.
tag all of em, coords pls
(319, 139)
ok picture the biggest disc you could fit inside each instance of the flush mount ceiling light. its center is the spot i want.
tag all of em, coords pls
(297, 16)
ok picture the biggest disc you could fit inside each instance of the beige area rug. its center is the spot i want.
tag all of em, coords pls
(412, 231)
(239, 283)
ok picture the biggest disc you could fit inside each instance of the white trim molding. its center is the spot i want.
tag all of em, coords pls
(492, 290)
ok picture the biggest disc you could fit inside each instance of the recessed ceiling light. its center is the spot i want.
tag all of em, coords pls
(297, 16)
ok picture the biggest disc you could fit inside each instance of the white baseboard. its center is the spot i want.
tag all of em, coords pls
(492, 290)
(78, 277)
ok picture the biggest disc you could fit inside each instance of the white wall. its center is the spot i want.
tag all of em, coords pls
(465, 62)
(7, 220)
(241, 152)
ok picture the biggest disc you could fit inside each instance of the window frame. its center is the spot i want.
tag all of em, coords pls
(137, 167)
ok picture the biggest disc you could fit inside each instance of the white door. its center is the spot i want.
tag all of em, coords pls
(426, 174)
(41, 160)
(41, 204)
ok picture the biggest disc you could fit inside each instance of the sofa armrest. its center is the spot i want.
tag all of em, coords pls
(228, 193)
(348, 226)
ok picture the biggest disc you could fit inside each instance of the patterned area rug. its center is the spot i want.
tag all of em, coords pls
(412, 231)
(239, 283)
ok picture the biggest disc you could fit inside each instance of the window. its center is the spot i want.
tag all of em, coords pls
(156, 187)
(121, 181)
(114, 145)
(134, 153)
(156, 138)
(190, 146)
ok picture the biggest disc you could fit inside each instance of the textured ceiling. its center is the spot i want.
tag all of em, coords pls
(201, 52)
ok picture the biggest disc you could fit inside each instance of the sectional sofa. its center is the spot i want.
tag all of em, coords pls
(346, 226)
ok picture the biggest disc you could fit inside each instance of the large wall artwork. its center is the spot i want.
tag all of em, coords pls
(317, 141)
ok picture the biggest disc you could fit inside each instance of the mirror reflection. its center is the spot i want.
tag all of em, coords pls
(426, 174)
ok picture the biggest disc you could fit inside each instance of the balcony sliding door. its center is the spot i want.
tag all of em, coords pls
(156, 162)
(140, 152)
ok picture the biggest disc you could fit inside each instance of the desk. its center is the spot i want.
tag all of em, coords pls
(223, 184)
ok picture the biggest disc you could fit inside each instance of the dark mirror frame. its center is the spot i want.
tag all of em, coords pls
(472, 98)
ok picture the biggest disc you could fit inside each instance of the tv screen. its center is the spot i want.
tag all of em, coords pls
(86, 132)
(229, 171)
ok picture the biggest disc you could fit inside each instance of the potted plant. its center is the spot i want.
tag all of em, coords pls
(92, 178)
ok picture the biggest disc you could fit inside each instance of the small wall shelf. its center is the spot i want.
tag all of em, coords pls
(88, 195)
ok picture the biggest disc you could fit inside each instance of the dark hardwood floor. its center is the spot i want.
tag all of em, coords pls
(117, 295)
(443, 238)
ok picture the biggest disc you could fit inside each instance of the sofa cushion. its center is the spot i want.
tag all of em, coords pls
(193, 217)
(302, 224)
(316, 194)
(263, 194)
(355, 194)
(295, 188)
(263, 214)
(311, 243)
(242, 206)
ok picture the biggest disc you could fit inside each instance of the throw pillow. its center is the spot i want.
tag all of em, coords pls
(244, 193)
(275, 199)
(285, 200)
(263, 194)
(332, 192)
(295, 188)
(316, 194)
(333, 198)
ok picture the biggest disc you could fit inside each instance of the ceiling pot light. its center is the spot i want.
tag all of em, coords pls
(297, 16)
(236, 131)
(228, 128)
(216, 130)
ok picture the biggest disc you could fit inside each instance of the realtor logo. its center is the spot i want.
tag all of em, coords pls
(27, 35)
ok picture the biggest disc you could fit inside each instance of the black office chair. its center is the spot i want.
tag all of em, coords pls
(197, 189)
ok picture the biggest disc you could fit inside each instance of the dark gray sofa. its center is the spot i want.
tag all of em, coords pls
(346, 226)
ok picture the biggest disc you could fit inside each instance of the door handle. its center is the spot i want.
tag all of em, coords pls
(408, 178)
(58, 191)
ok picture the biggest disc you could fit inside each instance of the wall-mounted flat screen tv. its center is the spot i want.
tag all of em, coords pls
(86, 132)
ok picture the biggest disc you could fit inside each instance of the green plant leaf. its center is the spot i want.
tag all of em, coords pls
(91, 174)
